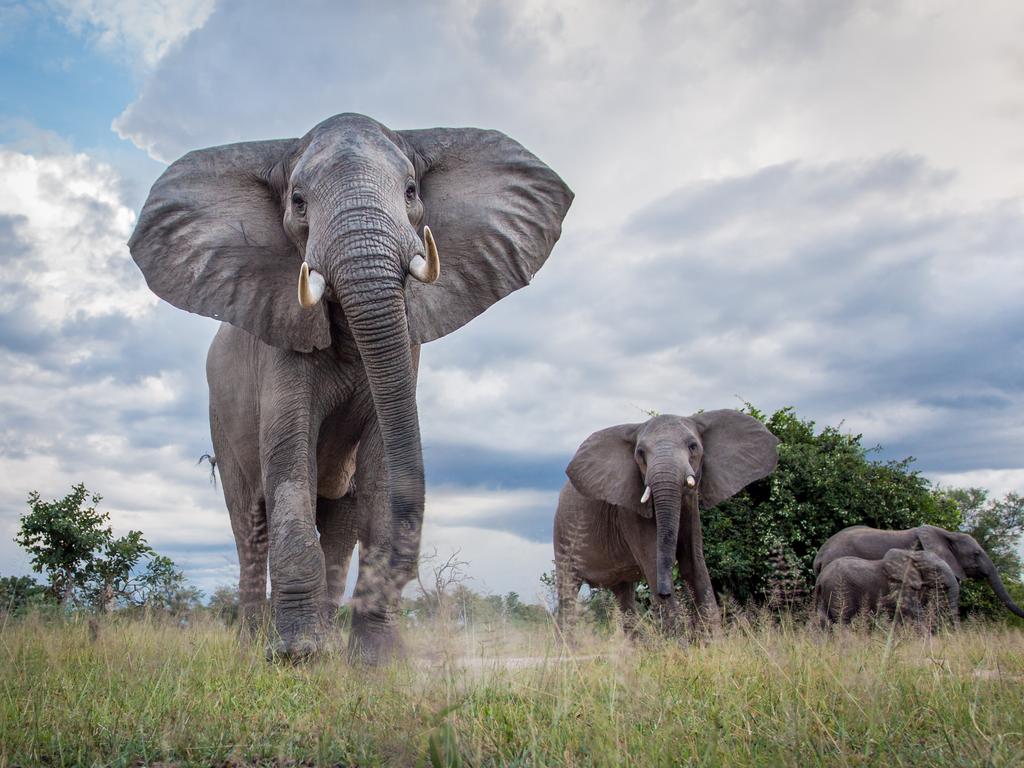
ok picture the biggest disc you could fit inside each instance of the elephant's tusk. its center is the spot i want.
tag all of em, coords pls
(691, 480)
(311, 286)
(646, 496)
(429, 269)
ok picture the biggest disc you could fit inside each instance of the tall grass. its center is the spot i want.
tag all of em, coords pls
(762, 693)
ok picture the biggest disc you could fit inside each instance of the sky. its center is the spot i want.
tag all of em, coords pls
(808, 204)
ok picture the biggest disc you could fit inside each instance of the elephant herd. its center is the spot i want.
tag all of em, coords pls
(330, 259)
(631, 510)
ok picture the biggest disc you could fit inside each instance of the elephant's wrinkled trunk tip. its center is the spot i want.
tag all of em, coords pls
(647, 495)
(311, 286)
(429, 269)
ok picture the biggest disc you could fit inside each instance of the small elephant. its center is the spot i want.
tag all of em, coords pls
(899, 586)
(319, 256)
(961, 552)
(630, 509)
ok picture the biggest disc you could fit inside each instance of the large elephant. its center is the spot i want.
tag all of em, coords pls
(960, 551)
(903, 584)
(630, 510)
(305, 249)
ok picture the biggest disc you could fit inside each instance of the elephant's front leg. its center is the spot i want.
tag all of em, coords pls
(694, 569)
(375, 638)
(296, 559)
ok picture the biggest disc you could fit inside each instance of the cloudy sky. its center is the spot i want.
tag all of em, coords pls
(816, 204)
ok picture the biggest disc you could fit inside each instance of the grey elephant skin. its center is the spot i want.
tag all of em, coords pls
(960, 551)
(902, 585)
(321, 256)
(631, 507)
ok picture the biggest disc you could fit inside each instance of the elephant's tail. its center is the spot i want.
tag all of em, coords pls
(213, 466)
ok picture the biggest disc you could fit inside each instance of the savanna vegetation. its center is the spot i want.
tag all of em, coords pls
(116, 660)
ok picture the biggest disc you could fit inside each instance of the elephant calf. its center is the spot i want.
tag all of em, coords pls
(900, 586)
(630, 510)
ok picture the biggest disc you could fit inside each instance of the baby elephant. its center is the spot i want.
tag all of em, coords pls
(904, 584)
(630, 508)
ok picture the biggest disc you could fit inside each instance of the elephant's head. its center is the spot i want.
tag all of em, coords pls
(967, 559)
(650, 468)
(301, 240)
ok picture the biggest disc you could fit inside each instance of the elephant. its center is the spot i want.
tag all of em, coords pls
(960, 551)
(851, 585)
(329, 260)
(630, 508)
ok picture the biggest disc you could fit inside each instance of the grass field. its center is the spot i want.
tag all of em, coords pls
(763, 693)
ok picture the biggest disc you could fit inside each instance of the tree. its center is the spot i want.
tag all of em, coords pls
(73, 544)
(18, 592)
(62, 537)
(109, 576)
(163, 587)
(224, 604)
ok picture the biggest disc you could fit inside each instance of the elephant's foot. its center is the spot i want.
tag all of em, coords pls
(300, 631)
(374, 640)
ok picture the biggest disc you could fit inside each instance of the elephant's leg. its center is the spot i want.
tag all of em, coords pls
(374, 637)
(338, 525)
(567, 584)
(666, 610)
(695, 570)
(249, 524)
(625, 597)
(297, 581)
(248, 515)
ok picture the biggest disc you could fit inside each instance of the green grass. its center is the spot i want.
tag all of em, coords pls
(760, 694)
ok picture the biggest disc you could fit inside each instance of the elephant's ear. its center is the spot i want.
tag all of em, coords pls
(901, 567)
(210, 240)
(934, 541)
(495, 212)
(738, 449)
(604, 468)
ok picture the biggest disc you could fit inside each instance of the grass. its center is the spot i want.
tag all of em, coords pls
(763, 693)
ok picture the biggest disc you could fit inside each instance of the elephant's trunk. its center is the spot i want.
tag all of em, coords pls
(665, 487)
(996, 583)
(367, 277)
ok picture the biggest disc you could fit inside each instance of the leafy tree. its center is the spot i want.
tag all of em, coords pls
(62, 537)
(109, 575)
(163, 587)
(825, 481)
(224, 604)
(18, 592)
(72, 543)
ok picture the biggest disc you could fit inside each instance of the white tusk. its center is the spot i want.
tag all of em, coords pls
(429, 269)
(691, 480)
(646, 496)
(311, 287)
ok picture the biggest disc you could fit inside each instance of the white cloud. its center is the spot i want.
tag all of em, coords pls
(998, 482)
(142, 30)
(69, 229)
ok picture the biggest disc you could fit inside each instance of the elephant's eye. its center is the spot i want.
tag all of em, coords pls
(299, 203)
(693, 447)
(410, 191)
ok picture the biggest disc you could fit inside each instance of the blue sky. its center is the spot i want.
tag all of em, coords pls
(813, 204)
